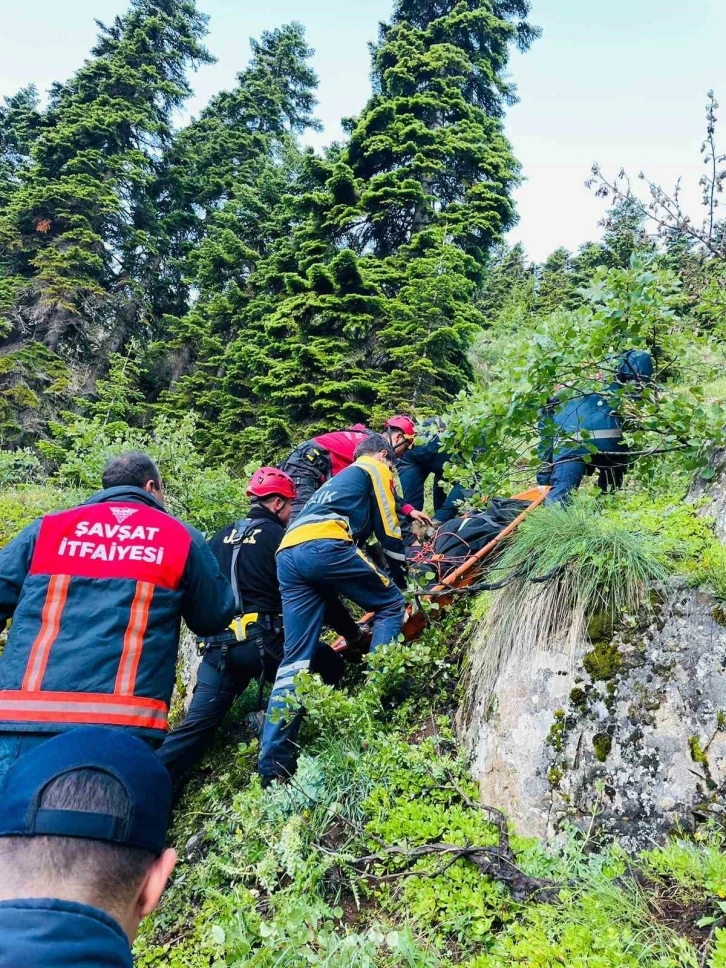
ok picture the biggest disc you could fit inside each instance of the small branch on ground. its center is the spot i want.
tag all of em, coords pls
(495, 862)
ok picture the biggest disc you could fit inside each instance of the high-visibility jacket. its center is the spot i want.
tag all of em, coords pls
(96, 595)
(358, 502)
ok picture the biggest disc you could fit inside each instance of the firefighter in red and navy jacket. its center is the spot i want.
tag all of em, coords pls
(315, 461)
(96, 595)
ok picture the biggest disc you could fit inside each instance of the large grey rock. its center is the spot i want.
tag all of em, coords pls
(636, 750)
(713, 493)
(186, 671)
(634, 755)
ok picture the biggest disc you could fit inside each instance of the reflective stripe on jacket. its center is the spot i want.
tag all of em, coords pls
(576, 426)
(97, 594)
(353, 505)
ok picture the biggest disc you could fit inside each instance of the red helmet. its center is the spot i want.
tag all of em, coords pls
(269, 481)
(403, 423)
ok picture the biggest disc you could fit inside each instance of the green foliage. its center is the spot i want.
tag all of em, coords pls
(631, 307)
(20, 505)
(596, 927)
(20, 124)
(82, 234)
(362, 299)
(205, 497)
(274, 884)
(684, 533)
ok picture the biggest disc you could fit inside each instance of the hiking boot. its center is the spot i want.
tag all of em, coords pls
(256, 722)
(359, 646)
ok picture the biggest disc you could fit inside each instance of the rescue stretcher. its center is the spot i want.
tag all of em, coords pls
(464, 575)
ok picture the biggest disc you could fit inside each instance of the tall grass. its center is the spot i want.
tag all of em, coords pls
(598, 567)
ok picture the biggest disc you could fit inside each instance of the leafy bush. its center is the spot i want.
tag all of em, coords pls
(629, 307)
(19, 506)
(207, 497)
(20, 467)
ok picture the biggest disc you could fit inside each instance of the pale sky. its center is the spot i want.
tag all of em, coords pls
(622, 82)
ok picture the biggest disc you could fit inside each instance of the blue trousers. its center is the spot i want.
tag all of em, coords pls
(308, 574)
(216, 691)
(413, 479)
(567, 474)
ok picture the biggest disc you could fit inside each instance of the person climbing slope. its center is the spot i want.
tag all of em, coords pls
(97, 594)
(321, 553)
(251, 648)
(315, 461)
(584, 434)
(428, 458)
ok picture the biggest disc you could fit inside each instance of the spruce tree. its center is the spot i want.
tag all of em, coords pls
(238, 163)
(429, 146)
(20, 125)
(81, 237)
(368, 304)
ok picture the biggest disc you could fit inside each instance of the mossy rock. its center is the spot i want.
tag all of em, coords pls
(603, 662)
(600, 627)
(578, 698)
(558, 730)
(602, 744)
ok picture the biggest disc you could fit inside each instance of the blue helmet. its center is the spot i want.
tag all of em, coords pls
(635, 366)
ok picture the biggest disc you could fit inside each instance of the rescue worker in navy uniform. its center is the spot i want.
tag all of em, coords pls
(567, 455)
(246, 551)
(321, 552)
(428, 458)
(83, 822)
(315, 461)
(97, 595)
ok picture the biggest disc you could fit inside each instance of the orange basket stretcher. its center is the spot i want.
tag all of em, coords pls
(416, 618)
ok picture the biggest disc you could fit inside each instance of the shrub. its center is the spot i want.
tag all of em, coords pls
(207, 497)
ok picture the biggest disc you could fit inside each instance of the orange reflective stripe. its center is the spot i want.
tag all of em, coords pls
(55, 600)
(134, 639)
(75, 707)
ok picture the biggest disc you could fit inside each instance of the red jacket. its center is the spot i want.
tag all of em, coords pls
(341, 445)
(97, 595)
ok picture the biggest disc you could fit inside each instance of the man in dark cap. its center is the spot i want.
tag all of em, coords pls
(83, 821)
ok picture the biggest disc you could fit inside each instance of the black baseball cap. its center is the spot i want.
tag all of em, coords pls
(113, 751)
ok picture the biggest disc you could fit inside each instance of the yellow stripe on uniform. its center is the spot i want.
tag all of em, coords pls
(382, 479)
(335, 528)
(386, 581)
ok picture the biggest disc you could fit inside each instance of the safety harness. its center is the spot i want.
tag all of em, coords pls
(237, 630)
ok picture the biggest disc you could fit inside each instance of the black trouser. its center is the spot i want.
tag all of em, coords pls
(216, 690)
(310, 467)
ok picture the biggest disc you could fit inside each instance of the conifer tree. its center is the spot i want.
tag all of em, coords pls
(20, 124)
(429, 146)
(368, 305)
(239, 164)
(81, 237)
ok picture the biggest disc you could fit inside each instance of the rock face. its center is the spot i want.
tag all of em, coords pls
(187, 666)
(714, 492)
(641, 750)
(625, 735)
